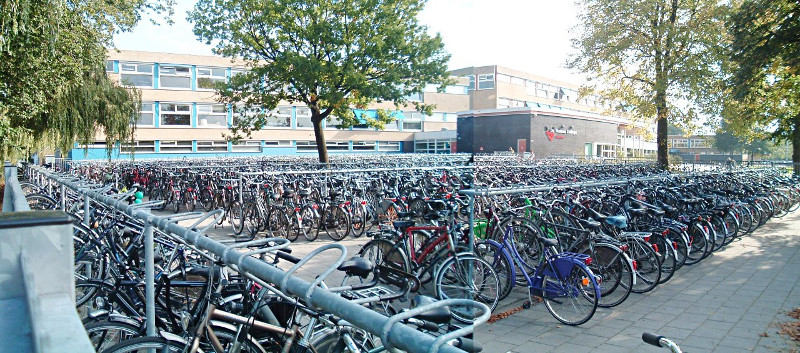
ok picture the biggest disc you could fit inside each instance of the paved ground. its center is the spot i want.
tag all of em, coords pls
(730, 302)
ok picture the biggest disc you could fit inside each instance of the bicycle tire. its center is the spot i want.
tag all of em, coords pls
(336, 220)
(309, 224)
(40, 202)
(501, 263)
(583, 299)
(648, 268)
(698, 243)
(106, 333)
(206, 200)
(358, 220)
(237, 217)
(615, 270)
(466, 276)
(146, 344)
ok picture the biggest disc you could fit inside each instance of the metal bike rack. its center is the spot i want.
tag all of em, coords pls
(399, 336)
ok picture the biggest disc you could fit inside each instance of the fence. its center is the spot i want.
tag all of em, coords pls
(37, 300)
(392, 333)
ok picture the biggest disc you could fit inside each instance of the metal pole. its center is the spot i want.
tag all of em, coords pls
(149, 280)
(86, 202)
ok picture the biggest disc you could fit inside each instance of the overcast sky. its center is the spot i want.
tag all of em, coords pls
(527, 35)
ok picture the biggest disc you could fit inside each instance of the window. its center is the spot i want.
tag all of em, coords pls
(138, 75)
(436, 117)
(388, 146)
(175, 76)
(412, 125)
(503, 78)
(333, 122)
(699, 143)
(517, 81)
(363, 145)
(173, 114)
(176, 146)
(281, 117)
(303, 115)
(486, 81)
(306, 146)
(146, 116)
(139, 147)
(471, 82)
(281, 143)
(456, 89)
(109, 66)
(212, 115)
(338, 145)
(680, 143)
(243, 146)
(414, 97)
(503, 103)
(241, 110)
(207, 77)
(212, 146)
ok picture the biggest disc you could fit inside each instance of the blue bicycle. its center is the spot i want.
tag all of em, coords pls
(568, 287)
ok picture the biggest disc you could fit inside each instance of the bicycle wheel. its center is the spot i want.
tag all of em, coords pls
(384, 252)
(39, 202)
(237, 217)
(678, 241)
(206, 200)
(146, 344)
(336, 222)
(157, 195)
(501, 264)
(333, 340)
(572, 299)
(176, 201)
(358, 220)
(106, 333)
(308, 221)
(646, 264)
(227, 338)
(666, 256)
(189, 201)
(250, 219)
(278, 224)
(466, 276)
(614, 269)
(698, 244)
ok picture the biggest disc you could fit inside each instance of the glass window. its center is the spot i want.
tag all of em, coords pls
(306, 146)
(280, 117)
(303, 115)
(280, 143)
(208, 77)
(363, 145)
(175, 76)
(139, 147)
(212, 146)
(212, 115)
(486, 81)
(503, 78)
(471, 82)
(518, 81)
(338, 145)
(109, 66)
(456, 89)
(176, 146)
(503, 103)
(388, 146)
(412, 125)
(173, 114)
(146, 116)
(244, 146)
(240, 110)
(333, 122)
(436, 117)
(138, 75)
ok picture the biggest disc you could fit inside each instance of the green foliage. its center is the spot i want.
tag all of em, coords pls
(53, 87)
(331, 55)
(656, 59)
(765, 79)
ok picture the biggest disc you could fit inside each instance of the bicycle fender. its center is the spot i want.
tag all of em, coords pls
(505, 254)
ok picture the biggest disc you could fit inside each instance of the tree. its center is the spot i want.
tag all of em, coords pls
(725, 141)
(53, 87)
(330, 55)
(765, 79)
(657, 58)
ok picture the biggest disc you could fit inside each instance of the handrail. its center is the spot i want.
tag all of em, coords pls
(14, 197)
(402, 336)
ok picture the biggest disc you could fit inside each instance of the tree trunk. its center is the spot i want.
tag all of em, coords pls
(319, 136)
(796, 146)
(661, 129)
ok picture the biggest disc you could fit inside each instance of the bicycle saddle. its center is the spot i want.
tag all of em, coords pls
(617, 221)
(402, 224)
(304, 192)
(358, 266)
(405, 214)
(548, 241)
(440, 315)
(588, 223)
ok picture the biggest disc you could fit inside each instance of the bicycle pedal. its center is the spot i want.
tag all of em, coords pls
(526, 304)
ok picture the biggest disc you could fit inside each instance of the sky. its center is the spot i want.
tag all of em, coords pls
(527, 35)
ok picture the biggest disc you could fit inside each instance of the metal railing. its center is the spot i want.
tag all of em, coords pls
(397, 335)
(13, 197)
